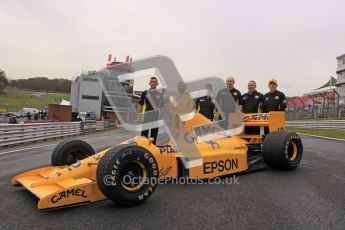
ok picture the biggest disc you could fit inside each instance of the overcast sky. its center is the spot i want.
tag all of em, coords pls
(295, 41)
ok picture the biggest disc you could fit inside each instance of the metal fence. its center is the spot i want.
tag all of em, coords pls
(22, 133)
(327, 103)
(322, 112)
(317, 124)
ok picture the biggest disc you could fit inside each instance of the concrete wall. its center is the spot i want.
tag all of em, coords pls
(90, 95)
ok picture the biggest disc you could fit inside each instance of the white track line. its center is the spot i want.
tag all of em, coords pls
(36, 147)
(17, 150)
(330, 138)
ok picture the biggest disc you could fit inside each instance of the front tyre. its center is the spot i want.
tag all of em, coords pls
(70, 151)
(127, 175)
(282, 150)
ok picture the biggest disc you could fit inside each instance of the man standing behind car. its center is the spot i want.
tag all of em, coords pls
(205, 104)
(145, 106)
(222, 100)
(236, 94)
(274, 100)
(251, 101)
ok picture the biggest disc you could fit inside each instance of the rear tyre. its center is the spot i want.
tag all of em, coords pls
(282, 150)
(127, 175)
(70, 151)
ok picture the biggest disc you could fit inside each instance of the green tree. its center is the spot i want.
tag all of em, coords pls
(3, 81)
(43, 83)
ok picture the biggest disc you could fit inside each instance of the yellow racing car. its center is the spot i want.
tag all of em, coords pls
(128, 173)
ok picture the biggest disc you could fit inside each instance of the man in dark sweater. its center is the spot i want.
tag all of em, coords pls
(145, 106)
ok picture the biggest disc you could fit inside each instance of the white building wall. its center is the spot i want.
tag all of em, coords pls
(86, 93)
(90, 95)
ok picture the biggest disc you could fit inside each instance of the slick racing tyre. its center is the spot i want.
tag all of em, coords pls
(70, 151)
(282, 150)
(127, 175)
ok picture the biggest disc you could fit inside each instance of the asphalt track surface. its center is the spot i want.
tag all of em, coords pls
(311, 197)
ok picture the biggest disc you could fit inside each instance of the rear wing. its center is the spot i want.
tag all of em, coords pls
(275, 121)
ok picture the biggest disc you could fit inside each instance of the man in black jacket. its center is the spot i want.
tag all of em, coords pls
(251, 101)
(222, 100)
(274, 100)
(145, 106)
(205, 105)
(236, 94)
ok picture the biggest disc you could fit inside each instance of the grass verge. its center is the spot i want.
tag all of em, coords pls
(13, 100)
(320, 132)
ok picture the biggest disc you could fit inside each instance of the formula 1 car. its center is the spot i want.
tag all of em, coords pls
(78, 175)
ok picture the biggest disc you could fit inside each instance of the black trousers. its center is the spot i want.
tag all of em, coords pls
(154, 134)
